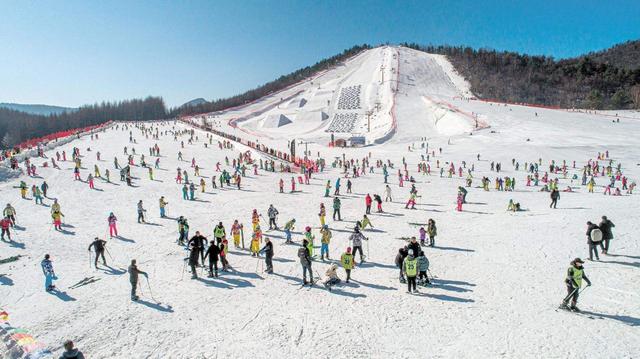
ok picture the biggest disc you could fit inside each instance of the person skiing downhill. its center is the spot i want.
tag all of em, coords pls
(5, 224)
(575, 275)
(99, 246)
(10, 213)
(134, 272)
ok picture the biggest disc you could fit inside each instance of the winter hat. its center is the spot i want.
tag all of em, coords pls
(348, 249)
(411, 252)
(578, 260)
(307, 229)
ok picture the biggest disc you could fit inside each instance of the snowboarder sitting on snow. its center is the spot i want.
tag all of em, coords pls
(133, 278)
(332, 276)
(365, 222)
(575, 274)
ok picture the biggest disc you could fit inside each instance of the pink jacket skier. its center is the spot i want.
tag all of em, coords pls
(460, 197)
(112, 225)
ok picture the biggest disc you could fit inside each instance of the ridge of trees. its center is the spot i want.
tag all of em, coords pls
(591, 81)
(16, 126)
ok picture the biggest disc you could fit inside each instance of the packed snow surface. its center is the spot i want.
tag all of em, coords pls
(498, 276)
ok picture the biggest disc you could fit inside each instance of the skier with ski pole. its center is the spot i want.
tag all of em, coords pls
(99, 246)
(134, 272)
(575, 275)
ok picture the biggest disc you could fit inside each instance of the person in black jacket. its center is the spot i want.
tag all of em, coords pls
(305, 261)
(98, 245)
(605, 226)
(402, 253)
(193, 261)
(592, 245)
(198, 242)
(555, 196)
(268, 255)
(414, 245)
(214, 255)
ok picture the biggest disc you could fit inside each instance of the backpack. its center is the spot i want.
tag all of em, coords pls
(596, 235)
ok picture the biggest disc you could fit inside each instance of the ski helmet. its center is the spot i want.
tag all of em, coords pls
(307, 229)
(348, 249)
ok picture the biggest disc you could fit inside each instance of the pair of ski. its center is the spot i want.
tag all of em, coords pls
(84, 281)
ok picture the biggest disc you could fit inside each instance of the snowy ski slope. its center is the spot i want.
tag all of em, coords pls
(498, 275)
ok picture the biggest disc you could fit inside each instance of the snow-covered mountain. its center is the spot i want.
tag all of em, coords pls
(372, 96)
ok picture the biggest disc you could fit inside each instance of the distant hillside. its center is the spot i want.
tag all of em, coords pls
(601, 81)
(625, 55)
(44, 110)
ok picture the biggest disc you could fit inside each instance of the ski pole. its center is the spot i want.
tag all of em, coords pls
(89, 259)
(105, 248)
(150, 293)
(566, 299)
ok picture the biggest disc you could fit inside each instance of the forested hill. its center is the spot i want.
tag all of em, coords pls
(16, 126)
(625, 55)
(608, 79)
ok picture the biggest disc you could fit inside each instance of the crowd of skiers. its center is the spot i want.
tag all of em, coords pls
(212, 256)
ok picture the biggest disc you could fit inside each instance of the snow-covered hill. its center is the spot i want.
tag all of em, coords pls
(370, 96)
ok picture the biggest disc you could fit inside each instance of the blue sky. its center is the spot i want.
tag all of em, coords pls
(71, 53)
